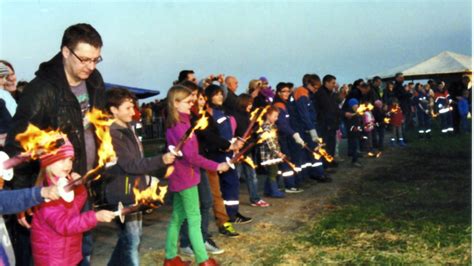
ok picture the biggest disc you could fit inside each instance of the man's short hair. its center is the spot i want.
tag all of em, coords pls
(190, 85)
(116, 96)
(183, 75)
(328, 78)
(310, 79)
(398, 74)
(81, 32)
(376, 78)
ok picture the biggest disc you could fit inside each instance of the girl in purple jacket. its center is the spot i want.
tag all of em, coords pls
(185, 178)
(57, 227)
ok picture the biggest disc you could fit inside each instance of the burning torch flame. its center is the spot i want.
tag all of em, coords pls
(202, 123)
(149, 196)
(260, 119)
(386, 120)
(364, 107)
(36, 142)
(106, 153)
(266, 135)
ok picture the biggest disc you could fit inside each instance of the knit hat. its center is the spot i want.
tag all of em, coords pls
(212, 90)
(63, 152)
(378, 103)
(352, 102)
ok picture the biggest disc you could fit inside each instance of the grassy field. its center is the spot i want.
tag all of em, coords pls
(415, 209)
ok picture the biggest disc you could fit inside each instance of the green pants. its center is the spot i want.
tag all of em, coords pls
(186, 206)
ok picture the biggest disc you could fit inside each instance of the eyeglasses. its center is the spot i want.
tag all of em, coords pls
(87, 60)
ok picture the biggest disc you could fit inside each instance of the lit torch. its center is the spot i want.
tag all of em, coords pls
(105, 152)
(262, 137)
(364, 107)
(255, 117)
(145, 198)
(201, 124)
(35, 142)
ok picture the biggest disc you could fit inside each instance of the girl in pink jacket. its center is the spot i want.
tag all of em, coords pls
(57, 227)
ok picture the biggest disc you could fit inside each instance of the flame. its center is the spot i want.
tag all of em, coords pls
(102, 123)
(378, 154)
(260, 119)
(266, 135)
(202, 123)
(169, 171)
(326, 155)
(253, 114)
(386, 120)
(364, 107)
(395, 109)
(149, 196)
(249, 161)
(36, 142)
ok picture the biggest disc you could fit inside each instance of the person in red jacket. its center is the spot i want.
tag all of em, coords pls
(396, 120)
(58, 226)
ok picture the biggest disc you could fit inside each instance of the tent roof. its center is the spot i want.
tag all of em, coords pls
(139, 92)
(444, 63)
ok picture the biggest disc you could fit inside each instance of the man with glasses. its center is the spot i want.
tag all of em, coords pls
(64, 89)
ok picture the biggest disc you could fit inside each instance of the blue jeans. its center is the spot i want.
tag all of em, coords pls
(126, 249)
(205, 203)
(250, 176)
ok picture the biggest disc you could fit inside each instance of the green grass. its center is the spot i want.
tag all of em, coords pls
(414, 210)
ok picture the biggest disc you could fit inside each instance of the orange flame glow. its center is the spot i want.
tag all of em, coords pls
(266, 135)
(102, 123)
(149, 196)
(202, 123)
(260, 118)
(36, 142)
(326, 155)
(364, 107)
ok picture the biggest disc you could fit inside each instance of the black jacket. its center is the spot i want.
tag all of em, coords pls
(210, 141)
(327, 109)
(48, 102)
(118, 181)
(230, 103)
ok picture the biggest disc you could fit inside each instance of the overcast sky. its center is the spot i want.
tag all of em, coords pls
(146, 44)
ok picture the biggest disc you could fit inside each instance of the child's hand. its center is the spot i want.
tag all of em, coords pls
(51, 192)
(168, 158)
(21, 218)
(104, 216)
(222, 167)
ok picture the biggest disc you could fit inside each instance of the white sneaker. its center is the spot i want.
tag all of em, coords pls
(293, 190)
(212, 248)
(187, 251)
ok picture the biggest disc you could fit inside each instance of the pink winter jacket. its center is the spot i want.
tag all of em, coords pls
(56, 230)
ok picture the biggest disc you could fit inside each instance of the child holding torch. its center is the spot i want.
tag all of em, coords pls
(58, 226)
(184, 179)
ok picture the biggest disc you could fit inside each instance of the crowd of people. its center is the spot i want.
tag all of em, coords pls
(291, 134)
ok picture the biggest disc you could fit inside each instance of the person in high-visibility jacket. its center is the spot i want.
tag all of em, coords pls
(423, 111)
(304, 122)
(287, 138)
(443, 107)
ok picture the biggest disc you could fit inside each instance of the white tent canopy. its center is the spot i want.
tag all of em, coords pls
(444, 63)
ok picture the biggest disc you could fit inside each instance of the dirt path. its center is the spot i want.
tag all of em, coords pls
(270, 226)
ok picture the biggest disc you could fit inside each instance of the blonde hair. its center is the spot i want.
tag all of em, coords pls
(175, 94)
(254, 84)
(41, 177)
